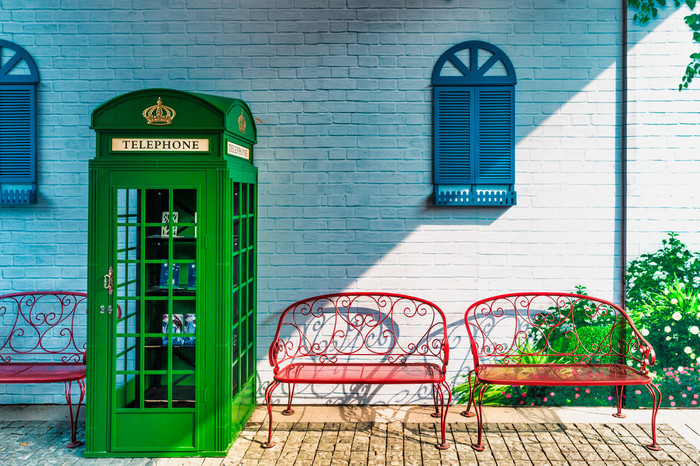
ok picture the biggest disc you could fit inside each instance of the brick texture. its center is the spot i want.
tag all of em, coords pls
(342, 90)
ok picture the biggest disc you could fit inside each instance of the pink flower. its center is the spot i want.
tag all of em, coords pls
(588, 390)
(544, 399)
(684, 395)
(693, 402)
(638, 392)
(576, 395)
(673, 403)
(508, 395)
(670, 397)
(551, 394)
(690, 389)
(696, 396)
(610, 398)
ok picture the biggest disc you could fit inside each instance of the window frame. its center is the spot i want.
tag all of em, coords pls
(471, 185)
(18, 90)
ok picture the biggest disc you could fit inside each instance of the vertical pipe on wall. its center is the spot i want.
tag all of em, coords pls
(623, 159)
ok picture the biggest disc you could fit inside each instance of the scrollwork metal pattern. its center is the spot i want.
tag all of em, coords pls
(554, 327)
(40, 323)
(360, 327)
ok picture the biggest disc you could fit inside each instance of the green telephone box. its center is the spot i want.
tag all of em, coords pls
(171, 275)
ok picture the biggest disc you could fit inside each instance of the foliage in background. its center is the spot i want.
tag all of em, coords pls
(652, 273)
(645, 10)
(663, 299)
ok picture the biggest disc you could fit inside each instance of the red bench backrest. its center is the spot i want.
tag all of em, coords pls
(43, 326)
(531, 328)
(361, 327)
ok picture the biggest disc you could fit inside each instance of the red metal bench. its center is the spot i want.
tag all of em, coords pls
(361, 338)
(39, 344)
(556, 339)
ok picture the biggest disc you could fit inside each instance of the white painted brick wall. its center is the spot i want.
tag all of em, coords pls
(345, 152)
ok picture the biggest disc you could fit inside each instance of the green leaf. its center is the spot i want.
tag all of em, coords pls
(695, 56)
(661, 2)
(690, 3)
(693, 21)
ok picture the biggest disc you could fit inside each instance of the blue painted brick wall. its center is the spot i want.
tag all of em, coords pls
(342, 88)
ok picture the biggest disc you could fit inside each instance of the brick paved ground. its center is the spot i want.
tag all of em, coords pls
(385, 443)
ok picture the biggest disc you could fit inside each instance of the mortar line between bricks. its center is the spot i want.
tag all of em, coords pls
(588, 439)
(343, 428)
(630, 434)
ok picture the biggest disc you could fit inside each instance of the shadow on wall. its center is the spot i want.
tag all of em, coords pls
(346, 168)
(346, 172)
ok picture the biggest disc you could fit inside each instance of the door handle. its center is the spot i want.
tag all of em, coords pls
(108, 281)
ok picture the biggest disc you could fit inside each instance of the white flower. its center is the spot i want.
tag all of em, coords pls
(667, 329)
(687, 350)
(677, 316)
(694, 330)
(674, 301)
(666, 292)
(645, 332)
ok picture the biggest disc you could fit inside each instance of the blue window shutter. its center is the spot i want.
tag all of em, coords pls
(17, 134)
(474, 126)
(453, 135)
(495, 135)
(18, 80)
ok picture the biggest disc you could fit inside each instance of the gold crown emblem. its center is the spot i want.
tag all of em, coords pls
(241, 123)
(159, 114)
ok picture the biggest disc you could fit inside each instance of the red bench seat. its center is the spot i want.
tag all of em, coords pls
(44, 341)
(41, 372)
(561, 374)
(370, 373)
(556, 339)
(361, 338)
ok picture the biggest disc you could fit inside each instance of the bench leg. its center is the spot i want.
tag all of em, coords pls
(289, 411)
(436, 413)
(74, 419)
(467, 412)
(444, 407)
(656, 400)
(620, 397)
(479, 445)
(268, 399)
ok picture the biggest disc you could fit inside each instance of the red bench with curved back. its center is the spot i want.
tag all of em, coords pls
(361, 338)
(39, 342)
(556, 339)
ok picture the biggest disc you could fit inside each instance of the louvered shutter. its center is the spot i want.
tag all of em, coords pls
(453, 135)
(495, 135)
(474, 126)
(18, 80)
(17, 134)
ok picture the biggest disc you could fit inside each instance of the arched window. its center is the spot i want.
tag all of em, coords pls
(18, 80)
(474, 126)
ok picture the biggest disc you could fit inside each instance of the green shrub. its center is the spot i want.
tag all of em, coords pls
(662, 300)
